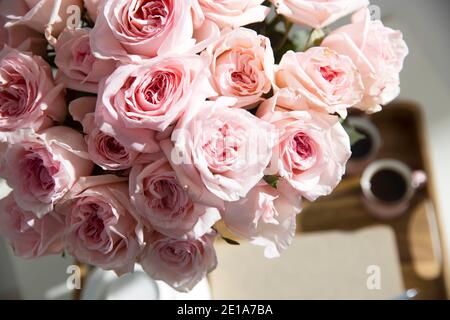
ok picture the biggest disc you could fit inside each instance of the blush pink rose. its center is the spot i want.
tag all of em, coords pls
(219, 153)
(104, 150)
(312, 151)
(49, 17)
(22, 38)
(93, 8)
(139, 100)
(377, 51)
(319, 79)
(317, 13)
(267, 217)
(165, 206)
(29, 236)
(135, 30)
(41, 168)
(179, 263)
(241, 66)
(78, 69)
(233, 13)
(28, 96)
(101, 228)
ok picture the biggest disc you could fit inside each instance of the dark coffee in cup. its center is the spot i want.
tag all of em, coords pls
(388, 185)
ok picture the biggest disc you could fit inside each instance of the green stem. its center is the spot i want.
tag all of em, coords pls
(308, 41)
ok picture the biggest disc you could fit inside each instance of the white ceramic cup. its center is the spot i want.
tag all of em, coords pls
(389, 210)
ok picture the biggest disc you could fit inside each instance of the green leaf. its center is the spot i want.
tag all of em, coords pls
(231, 241)
(355, 136)
(271, 180)
(63, 254)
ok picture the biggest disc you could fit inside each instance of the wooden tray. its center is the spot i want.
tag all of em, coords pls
(417, 232)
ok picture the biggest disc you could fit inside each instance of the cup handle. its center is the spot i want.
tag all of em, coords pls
(419, 179)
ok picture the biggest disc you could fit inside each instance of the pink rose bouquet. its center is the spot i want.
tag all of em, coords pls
(233, 13)
(43, 167)
(317, 13)
(267, 217)
(179, 263)
(377, 51)
(312, 149)
(133, 131)
(30, 237)
(29, 97)
(241, 64)
(319, 79)
(100, 225)
(47, 17)
(135, 30)
(78, 69)
(163, 204)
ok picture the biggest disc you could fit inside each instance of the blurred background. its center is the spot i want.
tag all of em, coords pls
(345, 248)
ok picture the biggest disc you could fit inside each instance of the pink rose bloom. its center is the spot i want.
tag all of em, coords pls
(45, 16)
(139, 100)
(319, 79)
(220, 153)
(41, 168)
(165, 206)
(267, 217)
(179, 263)
(104, 150)
(78, 69)
(241, 66)
(313, 149)
(29, 236)
(132, 30)
(317, 13)
(93, 8)
(378, 52)
(101, 228)
(22, 38)
(28, 95)
(233, 13)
